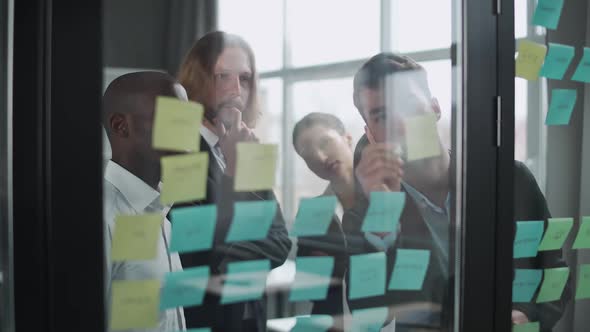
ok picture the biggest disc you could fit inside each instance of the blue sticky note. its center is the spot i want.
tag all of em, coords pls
(314, 216)
(245, 281)
(384, 211)
(409, 269)
(582, 73)
(193, 228)
(528, 327)
(525, 284)
(558, 59)
(313, 323)
(312, 278)
(548, 13)
(369, 320)
(184, 288)
(367, 275)
(527, 238)
(561, 107)
(251, 220)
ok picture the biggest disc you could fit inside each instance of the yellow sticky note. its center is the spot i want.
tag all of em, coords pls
(134, 304)
(136, 237)
(530, 59)
(176, 125)
(422, 137)
(184, 177)
(256, 166)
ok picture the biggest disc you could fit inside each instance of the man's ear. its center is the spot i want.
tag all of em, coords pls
(369, 135)
(435, 108)
(119, 125)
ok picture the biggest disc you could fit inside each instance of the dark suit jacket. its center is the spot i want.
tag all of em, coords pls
(275, 247)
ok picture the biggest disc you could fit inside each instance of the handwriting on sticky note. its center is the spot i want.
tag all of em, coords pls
(583, 238)
(193, 228)
(553, 283)
(547, 13)
(184, 288)
(314, 216)
(582, 73)
(245, 281)
(134, 304)
(313, 323)
(528, 327)
(561, 107)
(251, 220)
(556, 233)
(136, 237)
(184, 177)
(422, 139)
(557, 61)
(371, 319)
(384, 211)
(176, 125)
(527, 238)
(367, 275)
(525, 284)
(583, 288)
(530, 59)
(312, 278)
(256, 166)
(409, 269)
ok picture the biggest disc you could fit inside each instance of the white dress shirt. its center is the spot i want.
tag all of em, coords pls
(126, 194)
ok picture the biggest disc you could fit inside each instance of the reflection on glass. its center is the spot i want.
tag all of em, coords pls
(419, 25)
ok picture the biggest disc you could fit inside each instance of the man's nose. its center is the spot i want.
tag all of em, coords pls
(234, 88)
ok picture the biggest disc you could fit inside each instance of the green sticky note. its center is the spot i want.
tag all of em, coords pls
(251, 220)
(553, 284)
(530, 59)
(561, 107)
(558, 59)
(556, 233)
(313, 323)
(422, 139)
(369, 320)
(256, 166)
(527, 238)
(136, 237)
(384, 211)
(184, 288)
(176, 125)
(582, 73)
(367, 275)
(583, 290)
(548, 13)
(525, 284)
(528, 327)
(312, 278)
(583, 239)
(314, 216)
(184, 178)
(193, 228)
(409, 269)
(245, 281)
(134, 304)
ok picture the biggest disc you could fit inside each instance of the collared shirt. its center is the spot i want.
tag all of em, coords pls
(212, 139)
(126, 194)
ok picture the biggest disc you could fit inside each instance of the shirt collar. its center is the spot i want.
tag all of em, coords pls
(209, 136)
(420, 198)
(138, 193)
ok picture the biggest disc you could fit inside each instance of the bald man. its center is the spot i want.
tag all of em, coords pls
(132, 177)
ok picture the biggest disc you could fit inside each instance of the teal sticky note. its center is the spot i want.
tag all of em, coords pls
(556, 233)
(553, 283)
(547, 13)
(528, 327)
(312, 278)
(384, 211)
(314, 216)
(561, 107)
(583, 238)
(245, 281)
(313, 323)
(525, 284)
(184, 288)
(193, 228)
(527, 238)
(583, 288)
(203, 329)
(251, 220)
(582, 73)
(558, 59)
(367, 275)
(409, 269)
(369, 320)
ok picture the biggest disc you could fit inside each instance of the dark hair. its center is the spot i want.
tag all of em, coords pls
(373, 73)
(314, 119)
